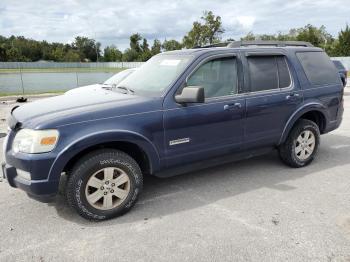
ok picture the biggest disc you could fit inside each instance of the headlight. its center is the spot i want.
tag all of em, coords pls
(35, 141)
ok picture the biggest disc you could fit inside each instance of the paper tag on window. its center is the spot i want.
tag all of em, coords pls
(169, 62)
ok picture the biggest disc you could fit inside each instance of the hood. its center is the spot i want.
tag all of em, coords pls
(84, 89)
(80, 104)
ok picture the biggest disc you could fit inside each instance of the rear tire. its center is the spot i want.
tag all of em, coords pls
(301, 145)
(104, 184)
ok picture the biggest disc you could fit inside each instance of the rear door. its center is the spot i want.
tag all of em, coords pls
(272, 96)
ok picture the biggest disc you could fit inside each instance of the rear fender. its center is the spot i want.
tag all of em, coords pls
(312, 106)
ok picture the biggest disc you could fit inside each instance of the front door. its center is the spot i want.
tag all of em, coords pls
(201, 131)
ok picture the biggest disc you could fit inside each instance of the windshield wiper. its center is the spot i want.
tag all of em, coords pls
(107, 86)
(112, 86)
(128, 90)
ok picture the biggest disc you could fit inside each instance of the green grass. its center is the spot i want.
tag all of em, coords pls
(60, 70)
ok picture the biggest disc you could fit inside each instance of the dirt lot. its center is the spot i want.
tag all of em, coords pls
(254, 210)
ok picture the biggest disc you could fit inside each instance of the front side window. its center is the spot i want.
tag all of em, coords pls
(268, 73)
(218, 77)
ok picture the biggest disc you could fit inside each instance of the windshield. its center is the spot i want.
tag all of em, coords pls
(153, 77)
(117, 78)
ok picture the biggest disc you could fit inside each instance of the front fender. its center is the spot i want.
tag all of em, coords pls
(311, 106)
(85, 142)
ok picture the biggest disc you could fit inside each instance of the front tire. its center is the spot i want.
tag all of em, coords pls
(104, 184)
(301, 145)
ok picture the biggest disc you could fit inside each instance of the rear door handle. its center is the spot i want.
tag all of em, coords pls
(292, 96)
(232, 106)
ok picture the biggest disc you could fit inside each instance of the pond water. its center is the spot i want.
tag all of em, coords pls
(44, 82)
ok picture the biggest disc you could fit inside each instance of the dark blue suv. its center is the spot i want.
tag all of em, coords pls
(181, 111)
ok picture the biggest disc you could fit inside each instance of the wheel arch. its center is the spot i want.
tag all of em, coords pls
(133, 144)
(315, 112)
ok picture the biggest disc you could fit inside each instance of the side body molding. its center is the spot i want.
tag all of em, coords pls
(79, 145)
(311, 106)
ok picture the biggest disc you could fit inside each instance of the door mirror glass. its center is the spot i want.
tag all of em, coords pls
(191, 94)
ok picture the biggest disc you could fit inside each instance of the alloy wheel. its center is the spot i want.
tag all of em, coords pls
(107, 188)
(305, 145)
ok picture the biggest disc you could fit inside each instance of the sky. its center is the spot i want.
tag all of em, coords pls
(112, 22)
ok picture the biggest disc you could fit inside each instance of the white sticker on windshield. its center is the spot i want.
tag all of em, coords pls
(170, 62)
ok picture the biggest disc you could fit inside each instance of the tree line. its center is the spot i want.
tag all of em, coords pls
(208, 30)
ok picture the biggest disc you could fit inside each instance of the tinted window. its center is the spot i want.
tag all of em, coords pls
(283, 72)
(218, 77)
(318, 68)
(268, 72)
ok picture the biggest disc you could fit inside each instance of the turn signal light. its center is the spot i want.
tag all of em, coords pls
(48, 140)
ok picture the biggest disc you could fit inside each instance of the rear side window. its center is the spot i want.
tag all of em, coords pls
(318, 68)
(268, 73)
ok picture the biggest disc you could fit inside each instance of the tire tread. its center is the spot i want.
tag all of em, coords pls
(286, 149)
(75, 175)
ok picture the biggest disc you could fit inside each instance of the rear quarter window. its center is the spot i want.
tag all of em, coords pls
(318, 68)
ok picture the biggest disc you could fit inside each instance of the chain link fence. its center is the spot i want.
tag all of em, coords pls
(59, 65)
(41, 77)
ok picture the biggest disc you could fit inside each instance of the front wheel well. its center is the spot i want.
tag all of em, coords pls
(131, 149)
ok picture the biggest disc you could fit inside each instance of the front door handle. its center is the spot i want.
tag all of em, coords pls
(292, 96)
(232, 106)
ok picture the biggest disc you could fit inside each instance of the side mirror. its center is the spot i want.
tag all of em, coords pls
(191, 94)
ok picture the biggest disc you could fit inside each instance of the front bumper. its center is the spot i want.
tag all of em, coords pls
(37, 184)
(35, 174)
(42, 190)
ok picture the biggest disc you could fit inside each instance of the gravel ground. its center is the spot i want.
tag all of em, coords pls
(253, 210)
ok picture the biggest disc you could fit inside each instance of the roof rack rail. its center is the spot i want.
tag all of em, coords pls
(213, 45)
(269, 43)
